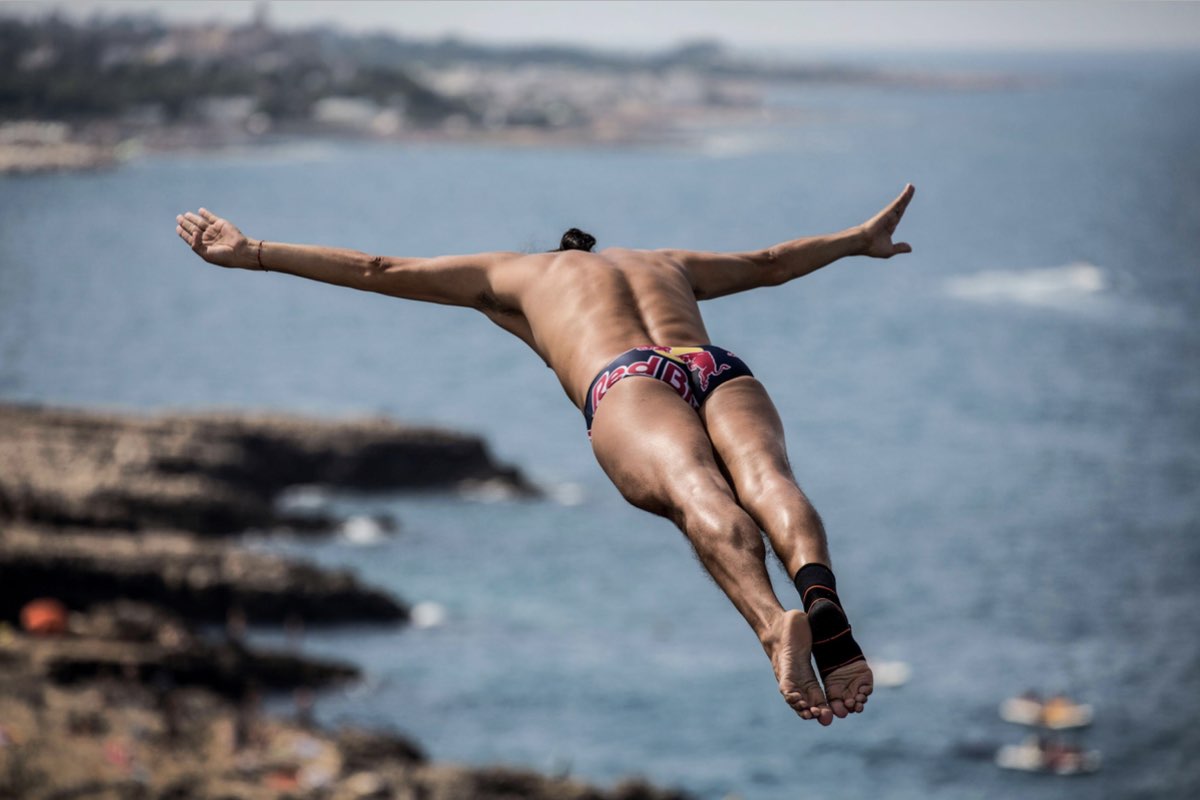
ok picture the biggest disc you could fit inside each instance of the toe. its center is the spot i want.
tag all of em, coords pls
(839, 708)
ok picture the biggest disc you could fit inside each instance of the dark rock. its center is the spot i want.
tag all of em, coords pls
(197, 579)
(507, 782)
(226, 668)
(639, 789)
(214, 473)
(130, 621)
(366, 750)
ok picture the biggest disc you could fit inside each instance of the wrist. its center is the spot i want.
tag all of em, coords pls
(856, 239)
(249, 255)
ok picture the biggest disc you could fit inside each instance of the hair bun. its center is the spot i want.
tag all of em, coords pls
(575, 239)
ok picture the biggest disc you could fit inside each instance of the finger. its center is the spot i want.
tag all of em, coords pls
(196, 220)
(184, 223)
(900, 203)
(901, 247)
(208, 215)
(187, 237)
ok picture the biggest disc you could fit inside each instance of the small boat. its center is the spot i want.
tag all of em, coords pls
(1058, 713)
(1037, 755)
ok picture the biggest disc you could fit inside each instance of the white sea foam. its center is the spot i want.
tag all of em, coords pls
(1070, 286)
(567, 494)
(733, 144)
(361, 529)
(303, 500)
(428, 615)
(491, 490)
(891, 673)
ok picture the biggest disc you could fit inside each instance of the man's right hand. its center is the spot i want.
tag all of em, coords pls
(216, 240)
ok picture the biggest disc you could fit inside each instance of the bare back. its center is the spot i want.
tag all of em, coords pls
(579, 310)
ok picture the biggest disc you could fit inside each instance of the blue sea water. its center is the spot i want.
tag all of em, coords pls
(1001, 430)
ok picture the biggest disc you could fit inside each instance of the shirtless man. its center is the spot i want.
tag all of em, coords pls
(700, 443)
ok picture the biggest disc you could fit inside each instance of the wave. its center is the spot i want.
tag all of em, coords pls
(428, 614)
(366, 530)
(1066, 287)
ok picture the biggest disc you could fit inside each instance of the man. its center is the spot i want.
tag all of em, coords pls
(699, 442)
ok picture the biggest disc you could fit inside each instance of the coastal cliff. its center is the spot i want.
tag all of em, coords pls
(198, 579)
(215, 473)
(124, 595)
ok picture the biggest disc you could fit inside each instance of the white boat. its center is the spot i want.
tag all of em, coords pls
(1058, 713)
(1049, 758)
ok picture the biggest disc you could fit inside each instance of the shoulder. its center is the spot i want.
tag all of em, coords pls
(662, 259)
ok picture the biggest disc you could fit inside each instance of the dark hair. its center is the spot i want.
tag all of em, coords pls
(576, 239)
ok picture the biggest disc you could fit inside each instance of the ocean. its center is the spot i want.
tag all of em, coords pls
(1001, 430)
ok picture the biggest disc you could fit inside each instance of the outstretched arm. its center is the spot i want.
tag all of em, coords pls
(717, 274)
(455, 280)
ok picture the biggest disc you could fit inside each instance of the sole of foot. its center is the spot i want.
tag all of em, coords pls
(789, 645)
(848, 687)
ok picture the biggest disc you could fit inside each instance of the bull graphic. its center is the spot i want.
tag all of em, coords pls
(703, 366)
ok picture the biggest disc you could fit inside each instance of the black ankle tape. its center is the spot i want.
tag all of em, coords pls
(833, 644)
(816, 581)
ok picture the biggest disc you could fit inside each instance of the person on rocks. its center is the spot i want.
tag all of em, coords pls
(699, 442)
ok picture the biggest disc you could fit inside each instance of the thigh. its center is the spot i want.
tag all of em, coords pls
(746, 432)
(653, 447)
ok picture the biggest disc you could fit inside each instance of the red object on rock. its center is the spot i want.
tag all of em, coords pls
(44, 617)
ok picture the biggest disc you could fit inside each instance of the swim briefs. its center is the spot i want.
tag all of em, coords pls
(693, 372)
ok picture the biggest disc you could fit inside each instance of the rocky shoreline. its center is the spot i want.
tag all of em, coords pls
(121, 735)
(128, 703)
(201, 580)
(216, 473)
(124, 596)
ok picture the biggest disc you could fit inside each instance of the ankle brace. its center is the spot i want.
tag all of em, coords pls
(833, 645)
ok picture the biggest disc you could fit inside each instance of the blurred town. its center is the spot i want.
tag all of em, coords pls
(80, 94)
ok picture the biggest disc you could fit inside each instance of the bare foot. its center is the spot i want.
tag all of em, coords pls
(789, 646)
(844, 672)
(848, 688)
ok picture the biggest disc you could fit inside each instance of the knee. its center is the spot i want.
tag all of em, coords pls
(719, 522)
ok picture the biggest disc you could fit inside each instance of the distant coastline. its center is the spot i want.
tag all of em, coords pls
(92, 96)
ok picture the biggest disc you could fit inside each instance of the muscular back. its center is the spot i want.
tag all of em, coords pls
(579, 310)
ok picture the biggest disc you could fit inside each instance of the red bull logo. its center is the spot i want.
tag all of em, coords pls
(689, 371)
(649, 366)
(654, 366)
(703, 367)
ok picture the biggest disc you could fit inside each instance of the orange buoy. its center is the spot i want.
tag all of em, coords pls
(44, 617)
